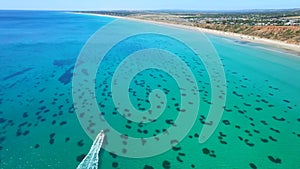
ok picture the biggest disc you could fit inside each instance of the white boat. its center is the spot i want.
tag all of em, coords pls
(91, 160)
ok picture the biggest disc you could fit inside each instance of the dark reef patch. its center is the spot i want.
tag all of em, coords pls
(148, 167)
(67, 139)
(272, 138)
(51, 141)
(258, 109)
(264, 140)
(226, 122)
(179, 159)
(36, 146)
(253, 166)
(80, 143)
(166, 164)
(115, 164)
(62, 123)
(278, 119)
(274, 160)
(67, 76)
(17, 73)
(25, 114)
(205, 151)
(80, 157)
(176, 148)
(63, 62)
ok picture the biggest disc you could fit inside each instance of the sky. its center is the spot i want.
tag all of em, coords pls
(147, 4)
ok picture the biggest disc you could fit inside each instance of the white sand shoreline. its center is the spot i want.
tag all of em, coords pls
(281, 46)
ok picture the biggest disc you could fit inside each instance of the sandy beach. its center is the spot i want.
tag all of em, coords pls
(281, 46)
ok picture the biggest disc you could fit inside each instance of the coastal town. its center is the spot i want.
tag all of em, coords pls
(289, 17)
(282, 25)
(248, 18)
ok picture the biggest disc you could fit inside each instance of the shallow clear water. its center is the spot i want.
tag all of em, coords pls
(39, 127)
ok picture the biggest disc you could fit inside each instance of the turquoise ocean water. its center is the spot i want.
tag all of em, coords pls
(260, 127)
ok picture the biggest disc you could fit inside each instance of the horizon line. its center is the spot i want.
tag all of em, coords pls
(244, 9)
